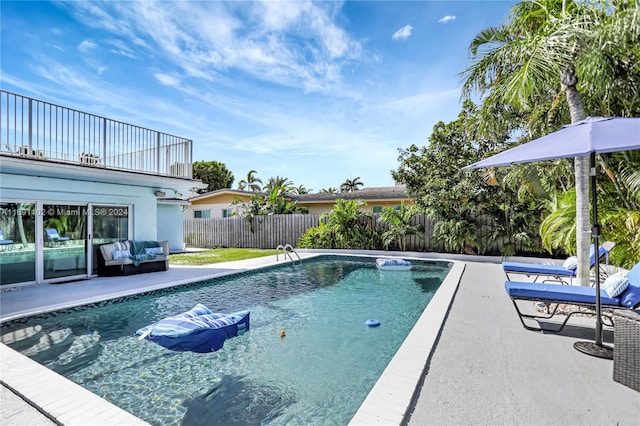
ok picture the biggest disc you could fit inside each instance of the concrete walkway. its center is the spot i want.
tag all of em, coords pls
(486, 368)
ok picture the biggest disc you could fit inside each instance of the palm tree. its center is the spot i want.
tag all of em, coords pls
(351, 185)
(400, 226)
(301, 190)
(343, 221)
(330, 190)
(518, 63)
(278, 183)
(252, 183)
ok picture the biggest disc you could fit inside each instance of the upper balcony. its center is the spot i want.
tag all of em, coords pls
(38, 130)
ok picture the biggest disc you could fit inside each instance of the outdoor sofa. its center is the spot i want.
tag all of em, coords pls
(133, 257)
(582, 299)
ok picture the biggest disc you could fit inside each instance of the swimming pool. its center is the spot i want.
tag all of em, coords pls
(319, 373)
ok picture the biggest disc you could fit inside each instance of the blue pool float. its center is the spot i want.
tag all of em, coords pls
(372, 323)
(197, 330)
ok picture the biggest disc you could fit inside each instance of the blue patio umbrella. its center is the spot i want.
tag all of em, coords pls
(587, 137)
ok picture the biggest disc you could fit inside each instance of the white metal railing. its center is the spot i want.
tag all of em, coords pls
(40, 130)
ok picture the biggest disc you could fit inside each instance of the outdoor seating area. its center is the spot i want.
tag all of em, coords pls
(582, 299)
(133, 257)
(555, 273)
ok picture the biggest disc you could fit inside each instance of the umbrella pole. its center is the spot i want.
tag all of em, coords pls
(597, 348)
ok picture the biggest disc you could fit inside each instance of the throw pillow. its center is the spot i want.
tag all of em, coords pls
(121, 254)
(153, 250)
(615, 284)
(571, 263)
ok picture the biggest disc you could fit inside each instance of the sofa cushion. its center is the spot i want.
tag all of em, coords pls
(120, 254)
(108, 249)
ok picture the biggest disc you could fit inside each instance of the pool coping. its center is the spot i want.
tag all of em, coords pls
(388, 402)
(391, 398)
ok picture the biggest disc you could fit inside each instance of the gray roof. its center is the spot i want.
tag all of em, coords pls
(397, 192)
(218, 191)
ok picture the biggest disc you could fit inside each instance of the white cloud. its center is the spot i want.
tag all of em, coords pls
(447, 19)
(87, 45)
(167, 80)
(294, 44)
(403, 33)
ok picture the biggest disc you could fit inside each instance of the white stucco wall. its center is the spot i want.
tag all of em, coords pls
(59, 191)
(170, 226)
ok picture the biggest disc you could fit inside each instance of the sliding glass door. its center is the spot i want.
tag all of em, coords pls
(56, 242)
(64, 241)
(17, 242)
(110, 223)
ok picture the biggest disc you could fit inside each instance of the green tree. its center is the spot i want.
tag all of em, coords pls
(301, 189)
(250, 209)
(351, 185)
(400, 227)
(251, 183)
(279, 183)
(330, 190)
(469, 207)
(214, 174)
(519, 63)
(277, 202)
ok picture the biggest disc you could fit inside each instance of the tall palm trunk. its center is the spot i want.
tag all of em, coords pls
(583, 236)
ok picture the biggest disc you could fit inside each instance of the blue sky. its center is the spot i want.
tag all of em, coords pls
(315, 92)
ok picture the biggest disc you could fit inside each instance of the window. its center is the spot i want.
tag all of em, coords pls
(377, 209)
(202, 214)
(227, 212)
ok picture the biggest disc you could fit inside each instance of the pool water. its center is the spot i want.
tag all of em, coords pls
(319, 373)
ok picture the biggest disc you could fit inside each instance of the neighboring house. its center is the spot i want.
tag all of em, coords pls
(376, 198)
(218, 204)
(70, 181)
(215, 204)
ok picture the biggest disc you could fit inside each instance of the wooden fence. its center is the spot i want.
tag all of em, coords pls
(272, 231)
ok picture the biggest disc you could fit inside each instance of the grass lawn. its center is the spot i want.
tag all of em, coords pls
(207, 257)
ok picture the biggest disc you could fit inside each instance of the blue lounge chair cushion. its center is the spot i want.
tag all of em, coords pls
(552, 270)
(615, 284)
(53, 235)
(629, 298)
(2, 239)
(534, 268)
(556, 292)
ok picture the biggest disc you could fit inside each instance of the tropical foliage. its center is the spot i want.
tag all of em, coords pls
(399, 226)
(251, 183)
(346, 226)
(274, 200)
(351, 185)
(516, 68)
(473, 211)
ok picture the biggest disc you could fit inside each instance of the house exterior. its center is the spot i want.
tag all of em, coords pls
(376, 198)
(215, 204)
(71, 181)
(218, 204)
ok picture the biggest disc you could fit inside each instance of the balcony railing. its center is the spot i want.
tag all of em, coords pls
(40, 130)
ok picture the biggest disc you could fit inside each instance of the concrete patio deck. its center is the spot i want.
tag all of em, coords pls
(485, 369)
